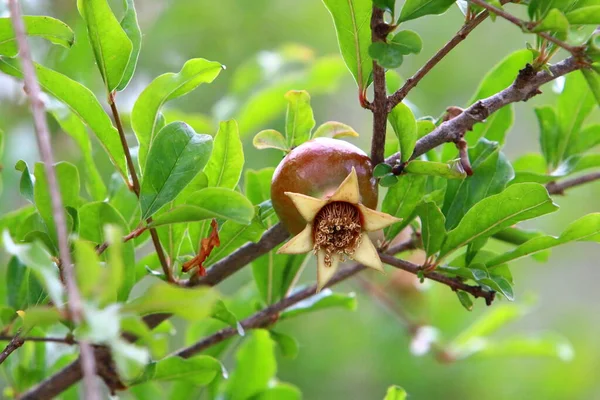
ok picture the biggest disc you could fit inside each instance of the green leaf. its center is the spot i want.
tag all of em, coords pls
(222, 313)
(49, 28)
(401, 201)
(287, 344)
(274, 273)
(198, 370)
(258, 184)
(255, 366)
(336, 130)
(279, 391)
(68, 180)
(87, 268)
(25, 290)
(500, 285)
(516, 203)
(299, 119)
(75, 128)
(270, 139)
(25, 183)
(586, 140)
(130, 26)
(387, 55)
(404, 124)
(112, 48)
(226, 162)
(549, 133)
(395, 393)
(169, 86)
(175, 158)
(451, 170)
(388, 180)
(326, 298)
(584, 16)
(352, 24)
(232, 236)
(36, 257)
(491, 173)
(555, 21)
(433, 231)
(386, 5)
(575, 103)
(593, 80)
(381, 170)
(545, 345)
(465, 300)
(407, 42)
(417, 8)
(210, 203)
(500, 77)
(161, 297)
(129, 359)
(82, 102)
(586, 228)
(40, 316)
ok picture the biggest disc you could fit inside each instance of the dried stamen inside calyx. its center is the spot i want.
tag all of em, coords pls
(337, 230)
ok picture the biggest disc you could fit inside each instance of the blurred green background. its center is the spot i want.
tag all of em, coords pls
(343, 354)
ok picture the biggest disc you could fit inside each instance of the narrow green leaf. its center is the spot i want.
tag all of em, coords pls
(198, 370)
(465, 300)
(324, 299)
(274, 273)
(491, 173)
(226, 161)
(433, 231)
(352, 24)
(395, 393)
(584, 16)
(210, 203)
(222, 313)
(299, 119)
(545, 345)
(549, 133)
(169, 86)
(87, 268)
(586, 140)
(387, 55)
(161, 297)
(270, 139)
(258, 184)
(401, 201)
(82, 102)
(130, 26)
(25, 183)
(255, 366)
(112, 48)
(516, 203)
(25, 290)
(586, 228)
(593, 80)
(36, 257)
(175, 158)
(287, 344)
(49, 28)
(280, 391)
(555, 21)
(403, 121)
(452, 170)
(336, 130)
(417, 8)
(41, 317)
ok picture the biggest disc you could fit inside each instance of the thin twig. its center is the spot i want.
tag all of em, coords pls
(15, 342)
(66, 340)
(574, 50)
(461, 35)
(379, 105)
(560, 187)
(132, 235)
(136, 187)
(32, 88)
(524, 87)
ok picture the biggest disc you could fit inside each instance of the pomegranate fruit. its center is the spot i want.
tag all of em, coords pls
(324, 193)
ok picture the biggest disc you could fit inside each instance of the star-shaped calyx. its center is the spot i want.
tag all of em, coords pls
(337, 227)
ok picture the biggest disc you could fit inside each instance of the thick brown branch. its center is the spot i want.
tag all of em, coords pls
(575, 51)
(32, 88)
(461, 35)
(379, 105)
(560, 187)
(525, 86)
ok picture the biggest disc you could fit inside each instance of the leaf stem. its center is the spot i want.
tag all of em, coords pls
(32, 88)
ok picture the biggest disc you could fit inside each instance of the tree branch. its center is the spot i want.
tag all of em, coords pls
(136, 188)
(461, 35)
(66, 340)
(379, 105)
(524, 87)
(560, 187)
(32, 88)
(15, 342)
(575, 51)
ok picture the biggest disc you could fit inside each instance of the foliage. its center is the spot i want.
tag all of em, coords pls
(176, 180)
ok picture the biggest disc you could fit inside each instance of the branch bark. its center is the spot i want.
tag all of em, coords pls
(32, 88)
(523, 88)
(379, 105)
(15, 342)
(560, 187)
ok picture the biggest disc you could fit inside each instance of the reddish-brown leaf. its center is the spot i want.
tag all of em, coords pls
(206, 247)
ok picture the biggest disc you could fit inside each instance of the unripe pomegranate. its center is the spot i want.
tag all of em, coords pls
(324, 193)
